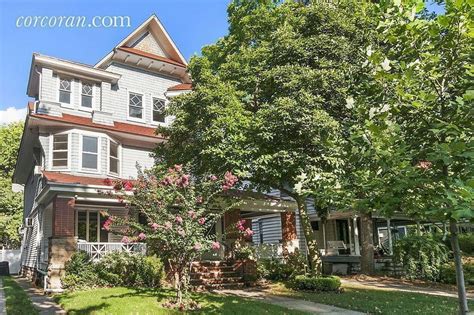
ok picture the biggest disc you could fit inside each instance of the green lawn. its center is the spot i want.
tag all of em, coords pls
(135, 301)
(377, 301)
(17, 302)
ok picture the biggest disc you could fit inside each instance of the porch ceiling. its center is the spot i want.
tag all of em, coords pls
(258, 203)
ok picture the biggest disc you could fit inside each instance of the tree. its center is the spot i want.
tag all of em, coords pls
(174, 214)
(11, 203)
(269, 99)
(428, 62)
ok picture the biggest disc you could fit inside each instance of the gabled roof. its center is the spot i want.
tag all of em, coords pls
(150, 55)
(154, 26)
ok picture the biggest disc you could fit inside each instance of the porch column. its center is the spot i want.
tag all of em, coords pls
(356, 237)
(288, 231)
(349, 226)
(324, 236)
(63, 243)
(231, 218)
(389, 233)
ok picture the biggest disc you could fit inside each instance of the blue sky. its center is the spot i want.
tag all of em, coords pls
(191, 23)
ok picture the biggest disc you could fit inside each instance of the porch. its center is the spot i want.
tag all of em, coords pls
(97, 250)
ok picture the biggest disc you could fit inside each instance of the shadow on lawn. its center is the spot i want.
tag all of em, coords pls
(89, 309)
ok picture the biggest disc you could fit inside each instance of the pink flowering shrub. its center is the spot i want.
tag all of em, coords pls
(177, 210)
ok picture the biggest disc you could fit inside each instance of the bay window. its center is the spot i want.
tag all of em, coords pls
(90, 152)
(114, 162)
(60, 150)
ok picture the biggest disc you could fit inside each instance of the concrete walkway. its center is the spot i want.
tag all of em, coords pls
(3, 306)
(43, 303)
(293, 304)
(397, 285)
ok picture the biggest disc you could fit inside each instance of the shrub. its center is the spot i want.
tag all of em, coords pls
(466, 242)
(114, 269)
(318, 284)
(421, 256)
(279, 269)
(448, 273)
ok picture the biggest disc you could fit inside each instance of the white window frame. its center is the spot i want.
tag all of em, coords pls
(76, 225)
(83, 134)
(67, 105)
(51, 145)
(119, 158)
(87, 109)
(152, 108)
(143, 106)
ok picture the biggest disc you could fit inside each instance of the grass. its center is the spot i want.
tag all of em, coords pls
(378, 301)
(121, 300)
(17, 301)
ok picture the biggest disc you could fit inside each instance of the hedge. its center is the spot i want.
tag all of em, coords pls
(317, 284)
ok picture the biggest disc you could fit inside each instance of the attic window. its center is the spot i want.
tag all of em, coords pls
(86, 95)
(135, 105)
(65, 91)
(159, 110)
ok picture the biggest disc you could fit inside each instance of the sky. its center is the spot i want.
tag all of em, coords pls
(192, 24)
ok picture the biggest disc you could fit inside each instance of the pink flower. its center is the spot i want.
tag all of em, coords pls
(192, 214)
(181, 232)
(107, 182)
(229, 180)
(125, 240)
(141, 236)
(215, 245)
(128, 186)
(424, 165)
(167, 181)
(248, 232)
(240, 225)
(202, 221)
(168, 225)
(178, 167)
(197, 246)
(184, 181)
(179, 219)
(213, 178)
(154, 226)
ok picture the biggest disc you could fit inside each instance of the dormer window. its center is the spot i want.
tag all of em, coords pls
(90, 153)
(135, 105)
(158, 110)
(86, 95)
(60, 151)
(65, 91)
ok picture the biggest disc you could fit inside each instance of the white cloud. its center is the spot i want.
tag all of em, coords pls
(12, 114)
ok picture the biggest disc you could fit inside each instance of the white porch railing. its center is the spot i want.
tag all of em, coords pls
(267, 251)
(97, 250)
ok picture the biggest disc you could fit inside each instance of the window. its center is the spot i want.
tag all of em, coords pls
(65, 91)
(89, 226)
(60, 150)
(86, 95)
(113, 157)
(135, 105)
(158, 110)
(90, 152)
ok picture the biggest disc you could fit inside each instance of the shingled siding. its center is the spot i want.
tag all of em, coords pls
(132, 156)
(271, 229)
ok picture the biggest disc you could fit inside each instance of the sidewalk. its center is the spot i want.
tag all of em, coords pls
(293, 304)
(43, 303)
(394, 285)
(3, 307)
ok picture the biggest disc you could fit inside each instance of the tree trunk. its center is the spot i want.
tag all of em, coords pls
(367, 264)
(313, 249)
(463, 308)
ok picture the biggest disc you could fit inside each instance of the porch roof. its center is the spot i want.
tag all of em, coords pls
(258, 203)
(58, 177)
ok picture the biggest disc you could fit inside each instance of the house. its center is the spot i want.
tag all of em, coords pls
(91, 123)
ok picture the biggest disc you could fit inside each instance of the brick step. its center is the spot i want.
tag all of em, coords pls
(219, 286)
(213, 275)
(211, 269)
(216, 281)
(212, 263)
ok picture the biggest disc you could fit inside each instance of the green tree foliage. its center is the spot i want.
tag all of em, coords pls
(269, 99)
(11, 203)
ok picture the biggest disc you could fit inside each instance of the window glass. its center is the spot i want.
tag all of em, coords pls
(113, 158)
(60, 150)
(82, 225)
(86, 96)
(159, 110)
(104, 235)
(135, 105)
(89, 152)
(93, 224)
(65, 91)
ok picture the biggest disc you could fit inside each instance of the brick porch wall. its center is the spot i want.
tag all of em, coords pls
(288, 232)
(63, 217)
